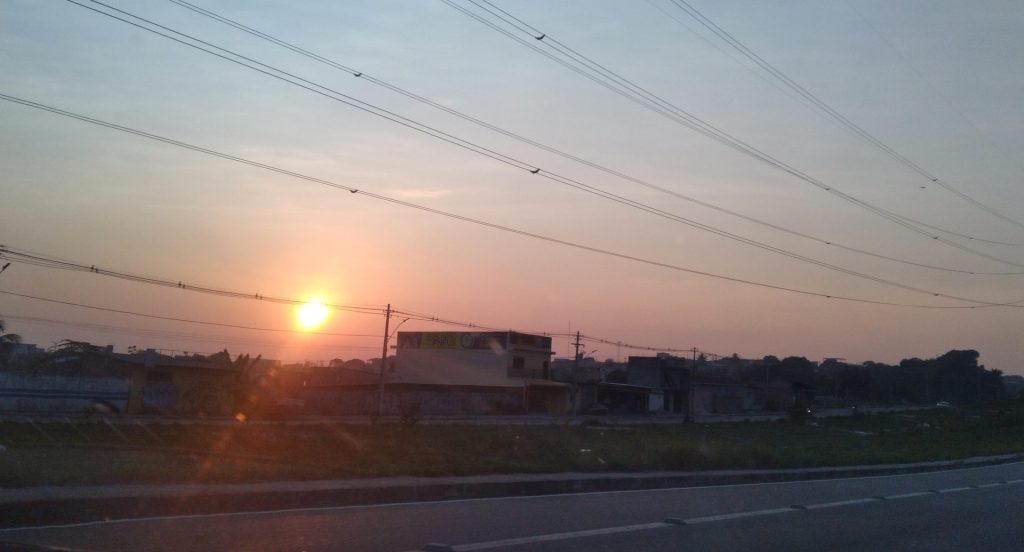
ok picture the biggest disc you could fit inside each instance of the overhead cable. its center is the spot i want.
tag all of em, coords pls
(525, 166)
(479, 222)
(614, 82)
(827, 109)
(556, 151)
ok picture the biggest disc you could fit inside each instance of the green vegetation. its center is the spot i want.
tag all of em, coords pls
(94, 453)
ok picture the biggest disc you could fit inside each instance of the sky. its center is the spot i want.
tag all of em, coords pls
(939, 82)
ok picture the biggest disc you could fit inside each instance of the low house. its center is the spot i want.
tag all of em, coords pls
(667, 376)
(476, 373)
(449, 374)
(31, 393)
(81, 376)
(782, 395)
(623, 398)
(181, 385)
(721, 395)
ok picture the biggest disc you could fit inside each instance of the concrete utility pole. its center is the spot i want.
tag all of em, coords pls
(383, 361)
(691, 411)
(575, 374)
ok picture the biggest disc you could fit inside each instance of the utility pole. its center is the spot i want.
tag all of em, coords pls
(690, 410)
(575, 374)
(383, 361)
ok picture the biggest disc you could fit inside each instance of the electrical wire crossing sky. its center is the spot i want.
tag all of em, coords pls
(753, 178)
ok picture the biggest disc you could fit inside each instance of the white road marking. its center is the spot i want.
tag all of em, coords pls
(738, 515)
(907, 495)
(562, 536)
(321, 509)
(840, 503)
(705, 519)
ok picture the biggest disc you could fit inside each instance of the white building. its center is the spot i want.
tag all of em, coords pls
(468, 363)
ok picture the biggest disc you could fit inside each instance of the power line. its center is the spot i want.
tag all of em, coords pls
(150, 332)
(643, 97)
(184, 320)
(831, 112)
(549, 175)
(605, 341)
(423, 208)
(410, 315)
(20, 256)
(529, 141)
(501, 157)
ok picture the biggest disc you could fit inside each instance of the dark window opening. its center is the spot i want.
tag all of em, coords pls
(155, 376)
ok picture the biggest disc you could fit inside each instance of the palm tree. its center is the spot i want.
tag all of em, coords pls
(7, 344)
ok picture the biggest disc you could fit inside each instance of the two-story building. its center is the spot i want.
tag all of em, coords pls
(476, 373)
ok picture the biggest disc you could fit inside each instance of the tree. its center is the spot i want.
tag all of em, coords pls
(794, 370)
(8, 342)
(250, 390)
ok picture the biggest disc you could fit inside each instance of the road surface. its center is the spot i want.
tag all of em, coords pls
(969, 509)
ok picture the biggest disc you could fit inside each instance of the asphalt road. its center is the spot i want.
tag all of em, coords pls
(972, 509)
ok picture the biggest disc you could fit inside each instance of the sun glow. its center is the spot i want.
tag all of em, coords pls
(311, 315)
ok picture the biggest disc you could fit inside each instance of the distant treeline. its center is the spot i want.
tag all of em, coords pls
(955, 377)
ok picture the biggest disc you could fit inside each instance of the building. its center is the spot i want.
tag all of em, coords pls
(676, 386)
(448, 374)
(183, 385)
(477, 372)
(80, 377)
(668, 378)
(711, 394)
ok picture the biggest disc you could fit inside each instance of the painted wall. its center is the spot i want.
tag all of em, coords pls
(41, 393)
(723, 399)
(440, 401)
(181, 390)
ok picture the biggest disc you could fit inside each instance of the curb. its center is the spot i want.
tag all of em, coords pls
(210, 500)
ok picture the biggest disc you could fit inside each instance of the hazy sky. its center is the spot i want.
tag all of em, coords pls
(939, 82)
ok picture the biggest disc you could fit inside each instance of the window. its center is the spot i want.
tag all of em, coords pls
(518, 368)
(155, 376)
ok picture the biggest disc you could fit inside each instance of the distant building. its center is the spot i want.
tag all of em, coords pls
(478, 372)
(25, 349)
(190, 385)
(587, 370)
(471, 358)
(82, 376)
(667, 376)
(449, 374)
(721, 395)
(676, 385)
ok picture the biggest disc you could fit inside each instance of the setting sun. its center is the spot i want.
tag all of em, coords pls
(311, 314)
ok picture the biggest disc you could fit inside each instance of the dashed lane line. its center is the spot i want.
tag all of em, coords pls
(956, 489)
(738, 515)
(430, 503)
(839, 503)
(907, 495)
(561, 536)
(680, 522)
